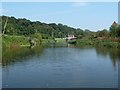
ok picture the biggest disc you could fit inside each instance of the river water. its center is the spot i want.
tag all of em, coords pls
(61, 67)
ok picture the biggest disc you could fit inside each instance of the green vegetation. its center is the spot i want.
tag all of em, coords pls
(115, 30)
(60, 40)
(10, 41)
(19, 34)
(106, 38)
(22, 26)
(98, 43)
(22, 32)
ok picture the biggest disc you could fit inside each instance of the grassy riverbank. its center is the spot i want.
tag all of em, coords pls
(98, 43)
(18, 46)
(10, 41)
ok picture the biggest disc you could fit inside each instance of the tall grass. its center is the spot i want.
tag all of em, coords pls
(14, 41)
(98, 43)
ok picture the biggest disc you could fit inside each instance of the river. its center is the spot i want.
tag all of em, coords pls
(61, 67)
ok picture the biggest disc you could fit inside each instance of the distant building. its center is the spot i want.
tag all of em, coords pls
(71, 37)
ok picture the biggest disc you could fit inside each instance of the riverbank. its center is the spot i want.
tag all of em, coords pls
(10, 41)
(18, 46)
(98, 43)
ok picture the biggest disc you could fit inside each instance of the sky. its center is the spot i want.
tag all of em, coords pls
(85, 15)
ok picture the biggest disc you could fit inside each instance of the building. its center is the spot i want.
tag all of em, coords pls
(71, 37)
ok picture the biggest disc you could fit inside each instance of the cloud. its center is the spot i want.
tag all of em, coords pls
(78, 4)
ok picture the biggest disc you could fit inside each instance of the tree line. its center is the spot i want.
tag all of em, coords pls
(22, 26)
(26, 27)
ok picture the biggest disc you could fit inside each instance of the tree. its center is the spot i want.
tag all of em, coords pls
(5, 25)
(118, 30)
(37, 37)
(26, 27)
(113, 30)
(103, 33)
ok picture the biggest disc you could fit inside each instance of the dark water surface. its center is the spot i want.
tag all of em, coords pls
(63, 67)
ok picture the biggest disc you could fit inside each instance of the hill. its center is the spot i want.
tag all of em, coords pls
(22, 26)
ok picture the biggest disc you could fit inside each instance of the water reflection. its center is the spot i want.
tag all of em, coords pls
(60, 67)
(113, 53)
(71, 46)
(10, 56)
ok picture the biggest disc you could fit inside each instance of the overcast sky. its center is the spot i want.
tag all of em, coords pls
(85, 15)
